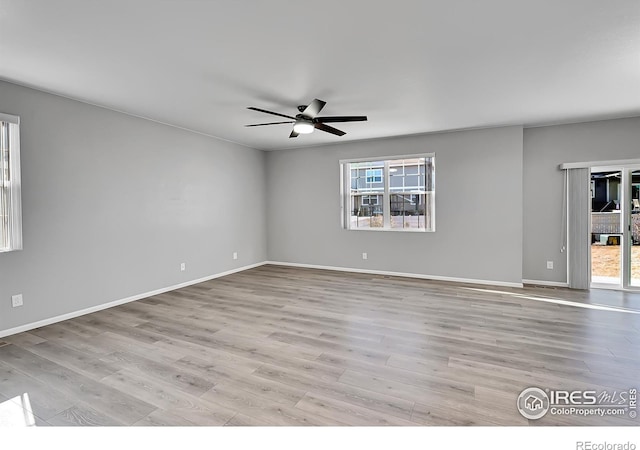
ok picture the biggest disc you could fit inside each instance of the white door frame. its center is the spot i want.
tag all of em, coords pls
(625, 211)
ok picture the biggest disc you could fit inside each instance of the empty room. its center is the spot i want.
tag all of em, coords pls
(348, 214)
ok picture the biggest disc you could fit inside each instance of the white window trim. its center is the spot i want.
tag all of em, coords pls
(384, 158)
(15, 210)
(345, 186)
(9, 118)
(599, 164)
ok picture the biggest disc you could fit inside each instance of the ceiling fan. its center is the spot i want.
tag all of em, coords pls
(307, 120)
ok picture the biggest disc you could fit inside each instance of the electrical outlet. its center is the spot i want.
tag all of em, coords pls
(183, 267)
(364, 255)
(16, 300)
(235, 255)
(550, 265)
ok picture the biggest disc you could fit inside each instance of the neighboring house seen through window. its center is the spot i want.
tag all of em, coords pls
(374, 175)
(389, 194)
(10, 202)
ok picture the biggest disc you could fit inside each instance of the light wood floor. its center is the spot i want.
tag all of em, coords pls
(285, 346)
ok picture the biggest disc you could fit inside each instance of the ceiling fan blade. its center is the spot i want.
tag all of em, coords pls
(270, 112)
(328, 129)
(340, 119)
(313, 109)
(293, 134)
(270, 123)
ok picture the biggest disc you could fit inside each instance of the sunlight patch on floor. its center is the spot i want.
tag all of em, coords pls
(16, 412)
(557, 301)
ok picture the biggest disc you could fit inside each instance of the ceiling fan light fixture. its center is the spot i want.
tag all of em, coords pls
(303, 127)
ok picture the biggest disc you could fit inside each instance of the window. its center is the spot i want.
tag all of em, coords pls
(374, 175)
(371, 199)
(389, 194)
(10, 205)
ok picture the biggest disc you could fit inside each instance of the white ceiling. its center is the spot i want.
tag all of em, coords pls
(411, 66)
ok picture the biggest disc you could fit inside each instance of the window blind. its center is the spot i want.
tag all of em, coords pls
(578, 207)
(10, 186)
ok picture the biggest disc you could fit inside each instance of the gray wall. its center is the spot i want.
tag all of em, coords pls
(478, 208)
(113, 204)
(544, 149)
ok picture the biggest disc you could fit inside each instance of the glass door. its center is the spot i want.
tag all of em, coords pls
(606, 228)
(634, 228)
(615, 227)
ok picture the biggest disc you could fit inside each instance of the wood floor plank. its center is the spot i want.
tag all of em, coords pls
(439, 411)
(82, 416)
(521, 378)
(69, 338)
(274, 391)
(266, 351)
(346, 412)
(213, 415)
(264, 409)
(83, 390)
(215, 355)
(620, 372)
(162, 418)
(118, 343)
(186, 381)
(356, 395)
(24, 340)
(212, 372)
(242, 420)
(161, 394)
(442, 415)
(82, 363)
(373, 382)
(46, 401)
(105, 324)
(352, 350)
(278, 345)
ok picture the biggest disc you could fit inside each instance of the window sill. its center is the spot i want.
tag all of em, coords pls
(9, 250)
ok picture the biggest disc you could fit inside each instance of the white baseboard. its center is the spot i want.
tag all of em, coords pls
(546, 283)
(82, 312)
(399, 274)
(71, 315)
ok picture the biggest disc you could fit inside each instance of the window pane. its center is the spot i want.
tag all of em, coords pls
(413, 182)
(412, 169)
(4, 186)
(409, 184)
(396, 181)
(366, 194)
(395, 168)
(407, 211)
(10, 221)
(366, 212)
